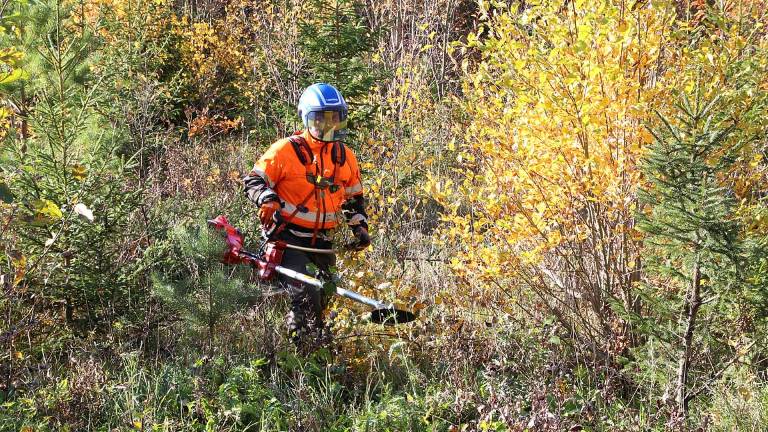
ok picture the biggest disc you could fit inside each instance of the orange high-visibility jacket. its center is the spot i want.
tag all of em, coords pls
(284, 173)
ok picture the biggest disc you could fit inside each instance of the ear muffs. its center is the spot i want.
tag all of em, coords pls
(304, 153)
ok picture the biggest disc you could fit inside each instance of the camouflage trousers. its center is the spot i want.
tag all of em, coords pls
(304, 321)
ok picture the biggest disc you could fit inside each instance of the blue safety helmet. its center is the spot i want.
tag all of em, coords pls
(324, 112)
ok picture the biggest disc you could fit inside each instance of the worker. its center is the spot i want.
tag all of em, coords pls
(304, 186)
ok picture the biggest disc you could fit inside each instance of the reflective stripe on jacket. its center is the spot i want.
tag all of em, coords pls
(284, 174)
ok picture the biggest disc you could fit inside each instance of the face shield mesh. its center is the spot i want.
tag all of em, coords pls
(327, 125)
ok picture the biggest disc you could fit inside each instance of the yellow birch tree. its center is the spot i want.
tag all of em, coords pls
(547, 192)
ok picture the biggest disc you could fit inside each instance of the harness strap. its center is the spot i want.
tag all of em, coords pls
(302, 149)
(305, 156)
(338, 153)
(304, 152)
(280, 228)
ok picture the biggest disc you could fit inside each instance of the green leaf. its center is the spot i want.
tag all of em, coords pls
(5, 193)
(312, 269)
(329, 288)
(571, 407)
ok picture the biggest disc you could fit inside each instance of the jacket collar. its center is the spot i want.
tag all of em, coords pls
(314, 144)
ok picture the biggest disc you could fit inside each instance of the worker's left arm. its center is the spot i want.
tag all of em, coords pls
(354, 199)
(354, 205)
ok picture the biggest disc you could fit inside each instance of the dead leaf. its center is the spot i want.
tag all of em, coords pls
(84, 211)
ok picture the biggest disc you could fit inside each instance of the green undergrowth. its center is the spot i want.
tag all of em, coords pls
(519, 381)
(226, 394)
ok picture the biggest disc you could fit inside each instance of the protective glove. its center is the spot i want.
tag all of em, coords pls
(363, 238)
(267, 212)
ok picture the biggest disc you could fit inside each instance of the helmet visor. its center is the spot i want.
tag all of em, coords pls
(327, 125)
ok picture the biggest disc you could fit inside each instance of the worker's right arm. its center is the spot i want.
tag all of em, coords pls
(259, 184)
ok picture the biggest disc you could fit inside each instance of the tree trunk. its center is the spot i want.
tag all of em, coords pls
(692, 304)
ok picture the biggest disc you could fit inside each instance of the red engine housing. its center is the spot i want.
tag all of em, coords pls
(235, 254)
(273, 257)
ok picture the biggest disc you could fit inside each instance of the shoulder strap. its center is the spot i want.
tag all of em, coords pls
(300, 146)
(304, 153)
(338, 153)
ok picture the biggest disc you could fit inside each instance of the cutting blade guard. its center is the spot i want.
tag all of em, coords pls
(391, 316)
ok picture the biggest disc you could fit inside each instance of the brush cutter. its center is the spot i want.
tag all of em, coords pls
(267, 264)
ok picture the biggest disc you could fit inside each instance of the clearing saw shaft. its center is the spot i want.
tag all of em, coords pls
(382, 313)
(318, 283)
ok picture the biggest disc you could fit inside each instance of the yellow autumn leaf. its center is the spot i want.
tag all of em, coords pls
(78, 172)
(646, 136)
(19, 263)
(46, 212)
